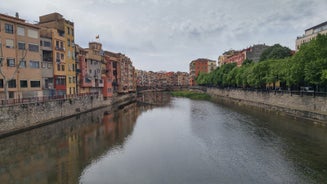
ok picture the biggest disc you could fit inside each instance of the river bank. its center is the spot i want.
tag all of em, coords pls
(18, 118)
(306, 107)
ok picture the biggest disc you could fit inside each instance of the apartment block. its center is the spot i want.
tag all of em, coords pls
(124, 74)
(20, 57)
(310, 34)
(251, 53)
(107, 77)
(198, 66)
(182, 78)
(84, 81)
(65, 36)
(94, 59)
(47, 69)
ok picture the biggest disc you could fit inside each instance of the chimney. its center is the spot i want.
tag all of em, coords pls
(17, 15)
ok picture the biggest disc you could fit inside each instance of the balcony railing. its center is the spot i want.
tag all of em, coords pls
(43, 99)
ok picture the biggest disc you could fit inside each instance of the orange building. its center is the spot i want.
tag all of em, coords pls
(64, 46)
(20, 56)
(200, 66)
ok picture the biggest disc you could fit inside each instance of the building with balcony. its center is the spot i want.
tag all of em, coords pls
(63, 45)
(84, 82)
(94, 59)
(310, 34)
(47, 69)
(124, 75)
(107, 77)
(20, 57)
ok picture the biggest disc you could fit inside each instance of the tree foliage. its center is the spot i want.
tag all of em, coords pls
(308, 67)
(275, 52)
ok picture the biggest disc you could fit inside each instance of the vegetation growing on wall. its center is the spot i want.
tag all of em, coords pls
(308, 67)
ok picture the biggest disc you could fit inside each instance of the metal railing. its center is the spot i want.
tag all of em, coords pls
(277, 91)
(44, 99)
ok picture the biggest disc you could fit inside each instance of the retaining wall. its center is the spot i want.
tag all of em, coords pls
(17, 118)
(309, 107)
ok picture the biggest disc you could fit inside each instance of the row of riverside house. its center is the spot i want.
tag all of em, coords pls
(43, 60)
(157, 80)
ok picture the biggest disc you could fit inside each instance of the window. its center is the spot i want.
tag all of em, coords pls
(44, 64)
(33, 47)
(68, 42)
(49, 65)
(47, 44)
(23, 83)
(22, 64)
(34, 64)
(70, 80)
(58, 67)
(68, 31)
(69, 55)
(9, 28)
(61, 81)
(20, 31)
(21, 45)
(10, 62)
(63, 67)
(35, 84)
(12, 83)
(57, 57)
(9, 43)
(1, 83)
(11, 94)
(32, 33)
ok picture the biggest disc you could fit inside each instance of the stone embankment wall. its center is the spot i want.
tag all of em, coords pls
(308, 107)
(17, 118)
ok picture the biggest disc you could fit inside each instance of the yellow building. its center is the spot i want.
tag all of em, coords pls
(310, 34)
(65, 31)
(20, 56)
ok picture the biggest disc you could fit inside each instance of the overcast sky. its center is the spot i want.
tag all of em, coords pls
(168, 34)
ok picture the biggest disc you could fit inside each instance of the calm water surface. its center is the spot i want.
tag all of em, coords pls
(177, 140)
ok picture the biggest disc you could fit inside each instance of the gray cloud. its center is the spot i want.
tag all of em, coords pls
(168, 34)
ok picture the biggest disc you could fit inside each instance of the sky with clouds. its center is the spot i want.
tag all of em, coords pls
(168, 34)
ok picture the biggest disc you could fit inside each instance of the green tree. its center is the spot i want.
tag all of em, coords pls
(310, 62)
(275, 52)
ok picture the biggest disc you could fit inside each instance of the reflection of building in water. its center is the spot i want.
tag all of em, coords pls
(58, 153)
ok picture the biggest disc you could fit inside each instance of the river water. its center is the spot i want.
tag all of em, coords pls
(168, 140)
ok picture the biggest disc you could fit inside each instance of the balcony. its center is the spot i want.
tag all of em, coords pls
(60, 48)
(99, 83)
(48, 59)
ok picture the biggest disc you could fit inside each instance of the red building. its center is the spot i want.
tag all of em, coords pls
(200, 66)
(107, 77)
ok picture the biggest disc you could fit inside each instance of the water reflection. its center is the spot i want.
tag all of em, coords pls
(59, 152)
(168, 140)
(260, 146)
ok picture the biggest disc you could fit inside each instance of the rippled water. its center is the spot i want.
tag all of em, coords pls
(182, 141)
